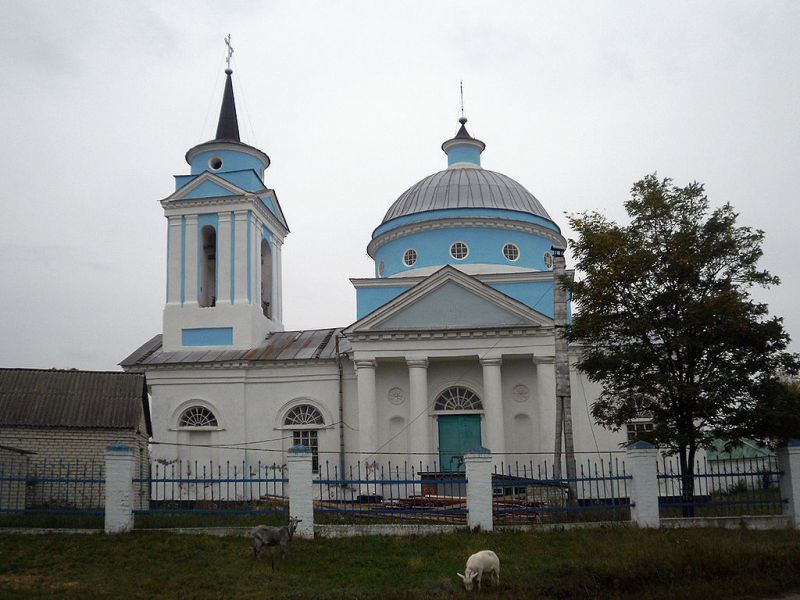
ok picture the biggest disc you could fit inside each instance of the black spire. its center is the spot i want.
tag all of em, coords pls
(462, 132)
(228, 127)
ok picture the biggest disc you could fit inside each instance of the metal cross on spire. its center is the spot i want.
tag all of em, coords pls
(227, 41)
(461, 86)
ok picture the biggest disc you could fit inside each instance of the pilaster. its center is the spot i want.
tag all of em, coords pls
(241, 270)
(190, 259)
(224, 256)
(174, 251)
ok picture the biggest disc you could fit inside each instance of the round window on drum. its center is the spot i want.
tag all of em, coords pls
(459, 250)
(511, 251)
(410, 257)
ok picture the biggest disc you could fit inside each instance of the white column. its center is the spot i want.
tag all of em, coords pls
(277, 282)
(478, 468)
(493, 405)
(240, 268)
(419, 422)
(640, 464)
(190, 254)
(301, 491)
(255, 249)
(546, 401)
(119, 488)
(367, 407)
(175, 239)
(224, 258)
(789, 463)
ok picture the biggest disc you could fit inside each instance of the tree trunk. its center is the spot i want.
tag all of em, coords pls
(687, 481)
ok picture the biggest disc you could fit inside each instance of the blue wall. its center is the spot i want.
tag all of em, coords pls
(538, 295)
(485, 247)
(463, 154)
(368, 299)
(207, 336)
(231, 161)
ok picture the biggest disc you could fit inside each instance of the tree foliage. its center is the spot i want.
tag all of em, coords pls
(668, 325)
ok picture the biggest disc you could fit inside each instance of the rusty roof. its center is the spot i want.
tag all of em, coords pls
(72, 398)
(306, 345)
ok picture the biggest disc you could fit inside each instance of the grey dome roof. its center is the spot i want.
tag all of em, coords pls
(465, 187)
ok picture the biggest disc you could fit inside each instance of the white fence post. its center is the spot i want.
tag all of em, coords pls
(640, 464)
(301, 491)
(789, 463)
(119, 488)
(479, 488)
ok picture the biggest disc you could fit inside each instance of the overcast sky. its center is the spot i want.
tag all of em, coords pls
(576, 101)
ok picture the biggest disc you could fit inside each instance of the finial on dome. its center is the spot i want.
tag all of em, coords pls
(463, 150)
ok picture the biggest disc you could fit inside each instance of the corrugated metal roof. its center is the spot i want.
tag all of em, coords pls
(465, 188)
(311, 344)
(59, 398)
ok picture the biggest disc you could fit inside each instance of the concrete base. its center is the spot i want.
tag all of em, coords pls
(762, 522)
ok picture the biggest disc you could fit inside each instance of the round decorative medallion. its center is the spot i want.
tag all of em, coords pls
(520, 393)
(396, 396)
(548, 260)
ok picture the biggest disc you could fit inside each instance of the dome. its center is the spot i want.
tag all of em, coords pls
(465, 187)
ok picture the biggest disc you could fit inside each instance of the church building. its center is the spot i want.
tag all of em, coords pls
(455, 342)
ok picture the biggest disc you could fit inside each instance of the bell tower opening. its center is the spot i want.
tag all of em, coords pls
(208, 267)
(266, 279)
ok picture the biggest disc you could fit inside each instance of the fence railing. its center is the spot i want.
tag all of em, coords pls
(193, 494)
(529, 493)
(61, 494)
(720, 488)
(371, 493)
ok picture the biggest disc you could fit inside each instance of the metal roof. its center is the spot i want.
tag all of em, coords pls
(465, 187)
(72, 398)
(311, 344)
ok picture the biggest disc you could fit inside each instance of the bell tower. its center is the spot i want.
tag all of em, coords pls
(224, 240)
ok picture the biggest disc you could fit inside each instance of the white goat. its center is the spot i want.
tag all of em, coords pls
(479, 563)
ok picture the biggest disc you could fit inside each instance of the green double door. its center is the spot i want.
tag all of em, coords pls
(457, 435)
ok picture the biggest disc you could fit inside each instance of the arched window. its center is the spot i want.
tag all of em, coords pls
(208, 267)
(197, 416)
(309, 419)
(458, 398)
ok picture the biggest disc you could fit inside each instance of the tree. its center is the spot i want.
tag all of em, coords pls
(668, 326)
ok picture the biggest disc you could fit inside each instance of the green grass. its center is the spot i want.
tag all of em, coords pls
(620, 562)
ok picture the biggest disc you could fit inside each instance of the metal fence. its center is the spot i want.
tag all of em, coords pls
(192, 494)
(390, 493)
(48, 494)
(720, 488)
(529, 493)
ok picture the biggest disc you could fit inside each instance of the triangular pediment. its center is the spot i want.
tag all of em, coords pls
(450, 299)
(206, 185)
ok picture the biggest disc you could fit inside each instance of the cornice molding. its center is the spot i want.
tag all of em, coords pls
(450, 222)
(250, 201)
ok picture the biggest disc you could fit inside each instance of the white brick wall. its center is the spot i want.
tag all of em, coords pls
(479, 490)
(301, 490)
(120, 461)
(640, 464)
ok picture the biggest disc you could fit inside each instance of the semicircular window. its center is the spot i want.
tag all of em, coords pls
(197, 416)
(305, 414)
(458, 398)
